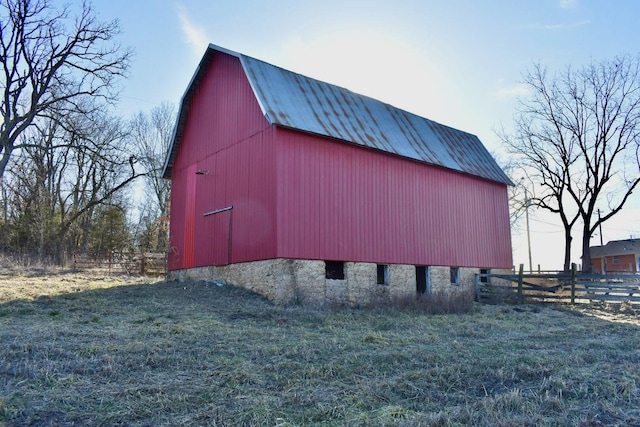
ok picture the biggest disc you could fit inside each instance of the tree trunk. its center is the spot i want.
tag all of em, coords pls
(6, 154)
(60, 251)
(567, 250)
(586, 250)
(86, 230)
(41, 223)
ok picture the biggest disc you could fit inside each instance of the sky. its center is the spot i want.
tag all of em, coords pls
(457, 62)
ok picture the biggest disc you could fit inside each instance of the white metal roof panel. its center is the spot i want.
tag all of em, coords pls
(295, 101)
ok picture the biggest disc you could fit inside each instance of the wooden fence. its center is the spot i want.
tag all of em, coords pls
(572, 287)
(150, 264)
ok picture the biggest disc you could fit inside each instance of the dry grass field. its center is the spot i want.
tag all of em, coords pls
(104, 351)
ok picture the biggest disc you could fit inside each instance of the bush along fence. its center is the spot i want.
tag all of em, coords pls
(571, 287)
(148, 264)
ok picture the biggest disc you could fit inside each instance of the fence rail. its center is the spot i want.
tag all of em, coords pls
(150, 264)
(563, 287)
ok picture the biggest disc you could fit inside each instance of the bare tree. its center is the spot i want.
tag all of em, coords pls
(33, 190)
(50, 62)
(517, 203)
(578, 136)
(152, 135)
(98, 166)
(68, 168)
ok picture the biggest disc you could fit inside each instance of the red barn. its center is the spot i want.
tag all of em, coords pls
(307, 192)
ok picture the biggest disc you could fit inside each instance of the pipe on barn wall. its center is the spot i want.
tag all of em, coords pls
(217, 211)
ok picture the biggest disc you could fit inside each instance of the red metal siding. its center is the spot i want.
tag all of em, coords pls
(342, 202)
(223, 112)
(242, 176)
(227, 138)
(176, 226)
(333, 200)
(190, 217)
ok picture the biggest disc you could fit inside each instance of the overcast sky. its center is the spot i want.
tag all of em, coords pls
(456, 62)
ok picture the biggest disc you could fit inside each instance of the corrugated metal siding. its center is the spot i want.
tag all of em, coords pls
(223, 111)
(299, 102)
(342, 202)
(190, 217)
(225, 135)
(242, 176)
(334, 200)
(176, 228)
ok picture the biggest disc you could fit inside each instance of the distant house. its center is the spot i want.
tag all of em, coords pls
(307, 192)
(616, 256)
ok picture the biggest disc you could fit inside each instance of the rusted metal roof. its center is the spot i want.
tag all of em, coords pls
(298, 102)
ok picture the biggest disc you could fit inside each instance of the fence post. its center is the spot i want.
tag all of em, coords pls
(573, 283)
(520, 280)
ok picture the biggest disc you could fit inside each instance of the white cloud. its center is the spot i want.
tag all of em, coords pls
(568, 4)
(195, 36)
(514, 91)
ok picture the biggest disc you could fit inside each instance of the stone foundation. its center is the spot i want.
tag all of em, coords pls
(288, 281)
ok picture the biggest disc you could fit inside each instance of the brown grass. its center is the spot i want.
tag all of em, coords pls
(437, 303)
(98, 350)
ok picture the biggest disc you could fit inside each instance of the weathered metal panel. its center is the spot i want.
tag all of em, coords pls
(343, 202)
(225, 158)
(298, 102)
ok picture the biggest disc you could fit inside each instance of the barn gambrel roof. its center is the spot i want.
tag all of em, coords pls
(294, 101)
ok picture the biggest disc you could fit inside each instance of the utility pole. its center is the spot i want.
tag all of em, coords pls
(600, 226)
(526, 210)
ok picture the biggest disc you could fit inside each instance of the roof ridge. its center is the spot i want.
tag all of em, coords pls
(241, 56)
(293, 100)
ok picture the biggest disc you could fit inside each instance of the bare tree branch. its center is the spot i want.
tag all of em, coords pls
(578, 133)
(152, 135)
(50, 61)
(69, 166)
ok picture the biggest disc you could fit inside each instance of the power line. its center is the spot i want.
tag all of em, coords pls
(547, 223)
